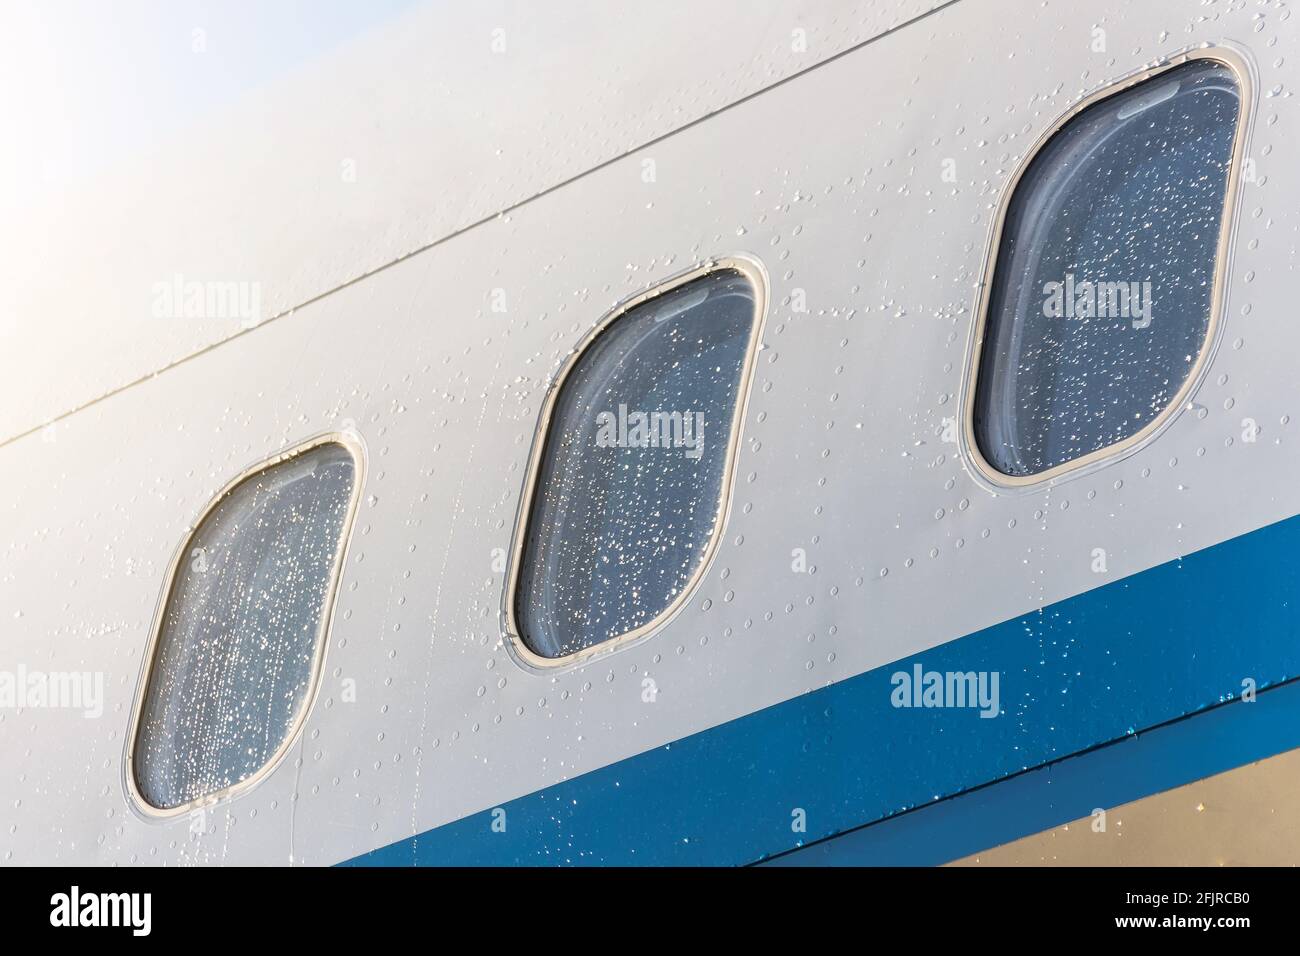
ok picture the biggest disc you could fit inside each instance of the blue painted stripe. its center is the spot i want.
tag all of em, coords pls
(1171, 755)
(1091, 669)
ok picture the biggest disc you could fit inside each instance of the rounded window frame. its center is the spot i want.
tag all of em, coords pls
(984, 470)
(352, 442)
(753, 270)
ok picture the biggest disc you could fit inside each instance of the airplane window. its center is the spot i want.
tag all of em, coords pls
(630, 484)
(242, 630)
(1104, 287)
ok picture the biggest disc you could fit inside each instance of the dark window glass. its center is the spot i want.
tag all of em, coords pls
(629, 487)
(236, 654)
(1101, 298)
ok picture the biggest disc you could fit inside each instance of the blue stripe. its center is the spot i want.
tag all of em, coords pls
(1151, 762)
(1091, 669)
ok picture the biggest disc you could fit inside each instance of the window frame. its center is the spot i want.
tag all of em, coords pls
(1094, 460)
(751, 269)
(350, 441)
